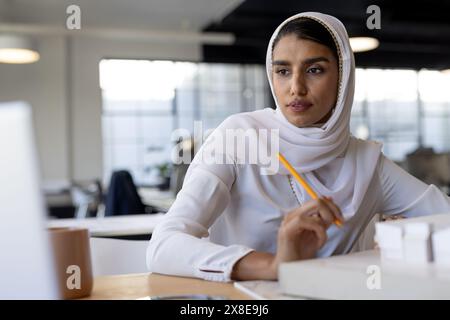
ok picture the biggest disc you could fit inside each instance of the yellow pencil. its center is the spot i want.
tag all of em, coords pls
(305, 185)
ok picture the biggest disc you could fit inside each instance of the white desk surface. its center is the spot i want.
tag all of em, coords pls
(347, 276)
(112, 226)
(155, 197)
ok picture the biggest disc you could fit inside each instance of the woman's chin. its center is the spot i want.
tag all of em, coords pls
(300, 120)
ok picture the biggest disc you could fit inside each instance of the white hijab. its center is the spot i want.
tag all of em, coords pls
(311, 148)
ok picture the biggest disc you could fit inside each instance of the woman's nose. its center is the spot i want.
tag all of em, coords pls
(298, 86)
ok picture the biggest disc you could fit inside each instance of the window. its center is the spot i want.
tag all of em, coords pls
(145, 101)
(435, 108)
(404, 109)
(386, 109)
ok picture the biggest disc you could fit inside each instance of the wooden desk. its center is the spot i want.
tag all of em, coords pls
(136, 286)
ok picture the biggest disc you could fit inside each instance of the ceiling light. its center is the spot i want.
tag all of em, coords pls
(360, 44)
(17, 49)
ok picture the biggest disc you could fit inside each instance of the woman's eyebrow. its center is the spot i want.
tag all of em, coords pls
(306, 61)
(315, 59)
(280, 63)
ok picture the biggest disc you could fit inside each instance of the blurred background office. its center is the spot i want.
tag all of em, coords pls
(107, 97)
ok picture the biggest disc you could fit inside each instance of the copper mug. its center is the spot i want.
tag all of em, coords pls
(72, 256)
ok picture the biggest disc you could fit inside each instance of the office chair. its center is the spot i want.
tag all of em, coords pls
(122, 197)
(87, 198)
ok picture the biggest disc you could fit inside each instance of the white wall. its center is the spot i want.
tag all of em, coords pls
(86, 109)
(43, 85)
(63, 88)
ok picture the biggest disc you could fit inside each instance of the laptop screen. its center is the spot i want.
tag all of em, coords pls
(26, 268)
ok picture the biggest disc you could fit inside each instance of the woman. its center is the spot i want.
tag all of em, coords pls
(230, 222)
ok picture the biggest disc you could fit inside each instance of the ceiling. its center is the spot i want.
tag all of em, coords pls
(167, 15)
(414, 34)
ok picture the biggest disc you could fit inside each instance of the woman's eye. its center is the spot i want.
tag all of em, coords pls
(282, 72)
(315, 70)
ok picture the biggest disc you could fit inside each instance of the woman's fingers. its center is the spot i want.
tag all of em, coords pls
(324, 207)
(336, 210)
(315, 224)
(323, 211)
(300, 236)
(299, 223)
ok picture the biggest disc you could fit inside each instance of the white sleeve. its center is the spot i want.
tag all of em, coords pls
(406, 195)
(178, 245)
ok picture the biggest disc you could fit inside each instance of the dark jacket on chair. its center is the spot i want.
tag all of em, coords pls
(122, 197)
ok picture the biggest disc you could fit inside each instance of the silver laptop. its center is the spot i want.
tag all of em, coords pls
(26, 266)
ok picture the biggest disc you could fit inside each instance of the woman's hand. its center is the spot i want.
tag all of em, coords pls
(303, 231)
(301, 234)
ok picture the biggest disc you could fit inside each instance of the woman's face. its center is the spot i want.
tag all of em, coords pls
(305, 80)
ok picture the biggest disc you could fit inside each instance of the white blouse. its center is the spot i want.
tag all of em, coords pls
(225, 211)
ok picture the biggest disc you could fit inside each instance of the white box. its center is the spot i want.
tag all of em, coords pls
(349, 277)
(417, 243)
(390, 240)
(441, 247)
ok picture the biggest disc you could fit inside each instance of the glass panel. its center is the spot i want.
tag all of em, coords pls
(124, 128)
(144, 101)
(386, 109)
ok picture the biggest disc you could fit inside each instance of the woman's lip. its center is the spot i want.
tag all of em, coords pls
(299, 107)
